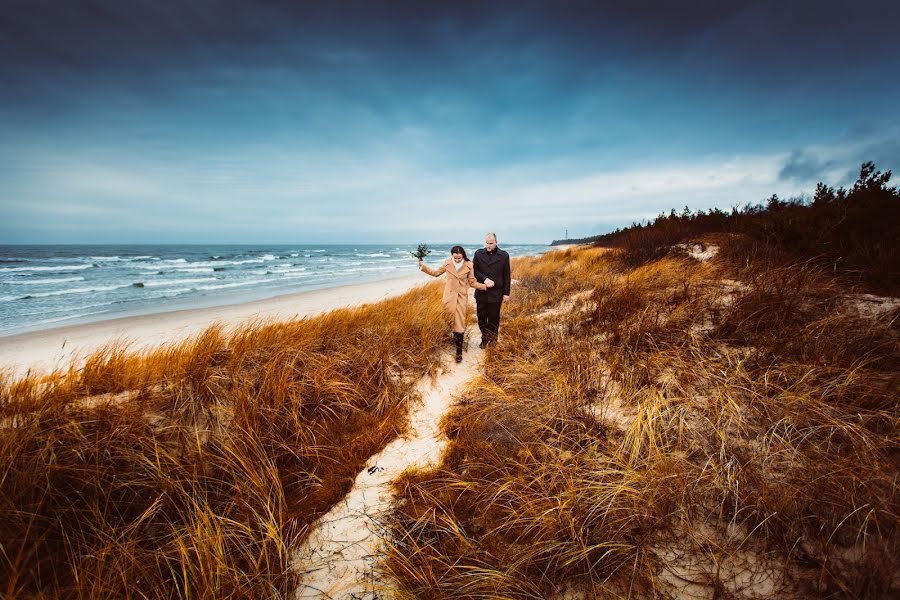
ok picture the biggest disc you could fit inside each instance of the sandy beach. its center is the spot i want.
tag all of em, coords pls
(54, 348)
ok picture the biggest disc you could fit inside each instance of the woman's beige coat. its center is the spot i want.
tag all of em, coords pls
(456, 290)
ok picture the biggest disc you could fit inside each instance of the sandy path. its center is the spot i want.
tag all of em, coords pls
(340, 557)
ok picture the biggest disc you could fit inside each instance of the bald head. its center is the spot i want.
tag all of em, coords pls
(490, 241)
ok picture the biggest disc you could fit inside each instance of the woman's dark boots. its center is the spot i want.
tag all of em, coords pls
(459, 346)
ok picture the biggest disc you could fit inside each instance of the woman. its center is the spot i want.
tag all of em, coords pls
(460, 277)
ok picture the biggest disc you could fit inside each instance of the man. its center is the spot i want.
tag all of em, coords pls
(491, 263)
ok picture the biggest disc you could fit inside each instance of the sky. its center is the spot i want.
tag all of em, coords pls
(226, 121)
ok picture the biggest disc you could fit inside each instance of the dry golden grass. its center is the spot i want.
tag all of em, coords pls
(193, 470)
(724, 429)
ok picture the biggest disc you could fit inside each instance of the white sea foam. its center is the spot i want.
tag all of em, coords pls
(123, 258)
(194, 270)
(277, 270)
(44, 281)
(366, 270)
(187, 268)
(373, 255)
(60, 268)
(66, 308)
(165, 282)
(234, 284)
(67, 317)
(171, 293)
(85, 290)
(222, 263)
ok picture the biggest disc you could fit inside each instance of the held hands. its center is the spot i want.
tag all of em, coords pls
(488, 282)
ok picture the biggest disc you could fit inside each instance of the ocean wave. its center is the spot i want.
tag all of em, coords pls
(66, 308)
(59, 269)
(43, 281)
(172, 293)
(188, 268)
(67, 317)
(194, 269)
(123, 258)
(287, 268)
(86, 290)
(165, 282)
(373, 255)
(235, 284)
(365, 270)
(406, 258)
(220, 263)
(383, 268)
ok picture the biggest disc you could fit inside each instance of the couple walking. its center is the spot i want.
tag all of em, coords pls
(488, 273)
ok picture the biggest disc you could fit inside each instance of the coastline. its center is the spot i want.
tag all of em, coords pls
(47, 349)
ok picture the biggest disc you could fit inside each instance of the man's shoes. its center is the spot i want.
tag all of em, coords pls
(458, 355)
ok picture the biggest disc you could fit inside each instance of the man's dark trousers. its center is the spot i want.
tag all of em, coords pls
(489, 320)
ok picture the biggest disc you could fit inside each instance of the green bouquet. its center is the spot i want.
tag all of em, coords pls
(421, 252)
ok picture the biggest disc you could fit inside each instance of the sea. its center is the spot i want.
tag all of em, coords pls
(43, 287)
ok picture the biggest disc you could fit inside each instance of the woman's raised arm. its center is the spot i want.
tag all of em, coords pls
(433, 272)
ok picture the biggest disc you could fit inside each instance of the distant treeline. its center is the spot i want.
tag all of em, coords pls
(855, 232)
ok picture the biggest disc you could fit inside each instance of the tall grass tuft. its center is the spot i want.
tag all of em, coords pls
(672, 429)
(193, 470)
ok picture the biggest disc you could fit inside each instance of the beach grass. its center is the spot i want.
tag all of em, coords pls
(193, 470)
(668, 428)
(662, 427)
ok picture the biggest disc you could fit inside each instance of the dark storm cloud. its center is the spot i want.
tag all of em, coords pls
(802, 167)
(884, 153)
(805, 166)
(132, 42)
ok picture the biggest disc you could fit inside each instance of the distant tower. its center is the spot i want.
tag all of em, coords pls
(567, 233)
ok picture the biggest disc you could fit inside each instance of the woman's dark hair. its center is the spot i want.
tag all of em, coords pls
(459, 249)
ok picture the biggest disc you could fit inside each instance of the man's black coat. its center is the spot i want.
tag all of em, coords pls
(495, 266)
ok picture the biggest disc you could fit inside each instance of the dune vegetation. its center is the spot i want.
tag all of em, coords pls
(716, 429)
(192, 471)
(677, 415)
(852, 232)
